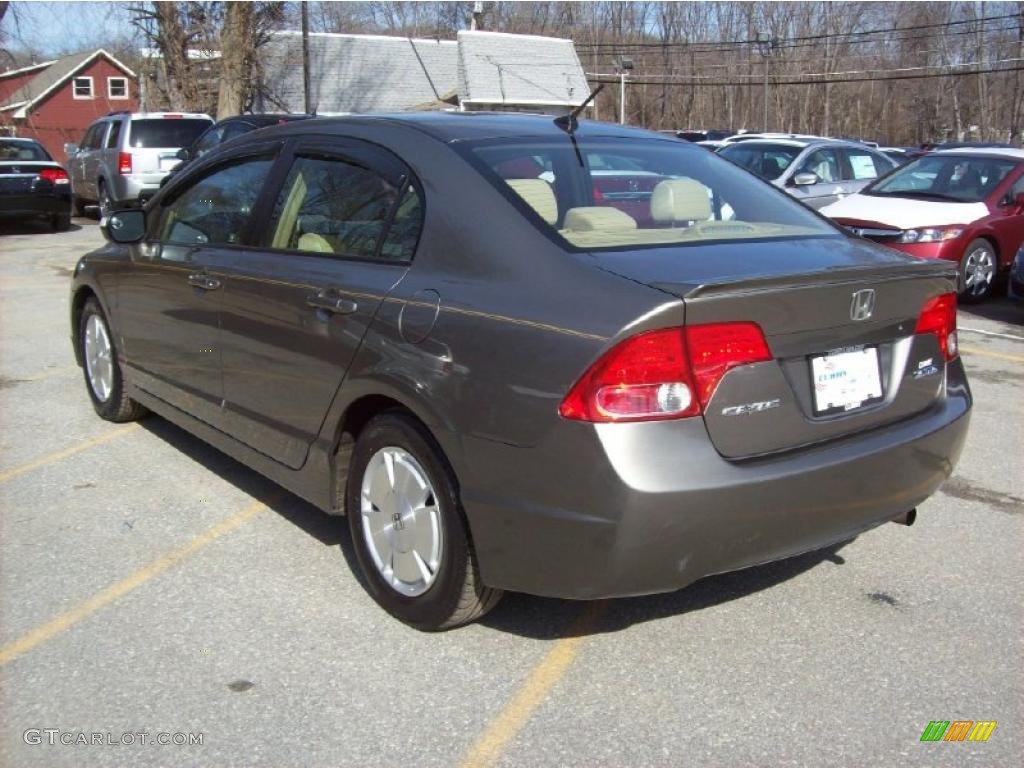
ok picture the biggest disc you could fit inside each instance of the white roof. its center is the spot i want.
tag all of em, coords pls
(1005, 151)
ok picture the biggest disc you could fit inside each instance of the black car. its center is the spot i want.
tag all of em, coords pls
(230, 128)
(32, 184)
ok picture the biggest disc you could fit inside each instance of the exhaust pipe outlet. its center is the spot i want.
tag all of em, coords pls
(907, 518)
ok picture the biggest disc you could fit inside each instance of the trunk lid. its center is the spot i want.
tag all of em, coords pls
(802, 295)
(19, 177)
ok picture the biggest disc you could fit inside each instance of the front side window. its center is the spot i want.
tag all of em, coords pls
(328, 205)
(216, 209)
(824, 164)
(82, 87)
(655, 192)
(769, 161)
(117, 87)
(958, 178)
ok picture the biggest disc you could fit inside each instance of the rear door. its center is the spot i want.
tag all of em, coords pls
(339, 237)
(825, 164)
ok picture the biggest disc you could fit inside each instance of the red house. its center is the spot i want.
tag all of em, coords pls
(56, 101)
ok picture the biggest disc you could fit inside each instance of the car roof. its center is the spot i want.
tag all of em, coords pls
(1017, 154)
(799, 143)
(471, 126)
(158, 115)
(25, 139)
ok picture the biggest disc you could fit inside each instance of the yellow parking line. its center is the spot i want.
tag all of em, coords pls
(531, 694)
(996, 355)
(102, 599)
(50, 458)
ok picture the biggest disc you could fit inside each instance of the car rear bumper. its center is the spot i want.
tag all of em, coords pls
(631, 509)
(131, 189)
(24, 206)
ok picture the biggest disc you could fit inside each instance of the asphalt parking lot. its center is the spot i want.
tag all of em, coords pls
(151, 585)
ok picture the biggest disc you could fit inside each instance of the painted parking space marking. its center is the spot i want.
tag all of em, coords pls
(995, 355)
(100, 600)
(531, 694)
(51, 458)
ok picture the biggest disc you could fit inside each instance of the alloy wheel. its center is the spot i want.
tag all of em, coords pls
(979, 271)
(99, 364)
(401, 521)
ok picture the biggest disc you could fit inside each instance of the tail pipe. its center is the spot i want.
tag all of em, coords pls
(907, 518)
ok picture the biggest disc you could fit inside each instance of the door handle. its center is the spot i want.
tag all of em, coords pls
(205, 282)
(329, 301)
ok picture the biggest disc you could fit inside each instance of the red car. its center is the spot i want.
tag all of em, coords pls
(963, 205)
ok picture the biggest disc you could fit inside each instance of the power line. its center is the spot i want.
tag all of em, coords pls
(832, 36)
(602, 78)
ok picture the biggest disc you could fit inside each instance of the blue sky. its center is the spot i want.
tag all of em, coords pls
(58, 28)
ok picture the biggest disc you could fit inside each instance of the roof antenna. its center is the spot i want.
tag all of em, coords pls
(568, 122)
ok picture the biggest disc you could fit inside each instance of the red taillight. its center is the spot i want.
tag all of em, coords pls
(664, 374)
(939, 317)
(54, 175)
(124, 163)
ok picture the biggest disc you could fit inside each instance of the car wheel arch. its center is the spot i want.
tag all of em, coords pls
(360, 412)
(78, 300)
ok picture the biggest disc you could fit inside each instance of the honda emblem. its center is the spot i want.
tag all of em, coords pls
(863, 304)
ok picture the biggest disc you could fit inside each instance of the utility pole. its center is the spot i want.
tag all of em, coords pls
(766, 44)
(305, 58)
(624, 65)
(477, 21)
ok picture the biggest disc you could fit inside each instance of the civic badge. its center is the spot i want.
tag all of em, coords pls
(863, 304)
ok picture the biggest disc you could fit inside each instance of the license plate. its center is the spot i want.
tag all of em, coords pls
(845, 380)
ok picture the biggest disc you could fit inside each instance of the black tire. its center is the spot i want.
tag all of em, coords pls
(457, 596)
(117, 406)
(104, 204)
(60, 222)
(77, 205)
(979, 252)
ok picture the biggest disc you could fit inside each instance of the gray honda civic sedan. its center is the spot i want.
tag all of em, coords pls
(568, 359)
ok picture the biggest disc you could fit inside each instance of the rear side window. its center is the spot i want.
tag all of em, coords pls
(168, 133)
(328, 205)
(864, 165)
(404, 232)
(216, 209)
(114, 135)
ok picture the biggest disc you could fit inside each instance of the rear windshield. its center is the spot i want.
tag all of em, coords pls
(635, 192)
(769, 161)
(22, 150)
(168, 133)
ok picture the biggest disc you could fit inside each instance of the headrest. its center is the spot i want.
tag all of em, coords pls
(314, 243)
(680, 200)
(597, 219)
(538, 195)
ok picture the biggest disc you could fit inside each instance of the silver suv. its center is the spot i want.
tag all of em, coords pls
(124, 156)
(815, 171)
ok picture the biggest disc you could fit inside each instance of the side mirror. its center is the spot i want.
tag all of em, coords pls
(805, 179)
(70, 149)
(182, 154)
(124, 226)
